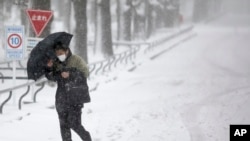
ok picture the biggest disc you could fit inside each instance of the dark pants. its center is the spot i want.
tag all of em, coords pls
(70, 118)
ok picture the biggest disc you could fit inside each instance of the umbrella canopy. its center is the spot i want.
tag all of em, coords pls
(44, 51)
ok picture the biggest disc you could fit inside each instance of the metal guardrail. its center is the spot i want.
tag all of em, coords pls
(10, 91)
(6, 62)
(10, 77)
(173, 46)
(10, 61)
(9, 68)
(107, 64)
(167, 38)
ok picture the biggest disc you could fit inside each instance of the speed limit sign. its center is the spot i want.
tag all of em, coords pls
(14, 42)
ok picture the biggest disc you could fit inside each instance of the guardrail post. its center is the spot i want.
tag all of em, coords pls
(2, 77)
(150, 45)
(106, 65)
(101, 64)
(20, 64)
(127, 57)
(113, 60)
(38, 90)
(123, 57)
(117, 60)
(21, 98)
(135, 51)
(94, 66)
(4, 102)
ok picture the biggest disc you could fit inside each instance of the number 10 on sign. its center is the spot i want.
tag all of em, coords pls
(15, 41)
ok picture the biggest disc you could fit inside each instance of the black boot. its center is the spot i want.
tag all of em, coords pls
(86, 137)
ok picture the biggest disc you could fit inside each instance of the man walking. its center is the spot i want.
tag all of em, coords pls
(70, 72)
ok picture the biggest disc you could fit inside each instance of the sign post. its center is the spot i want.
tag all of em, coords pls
(39, 19)
(14, 46)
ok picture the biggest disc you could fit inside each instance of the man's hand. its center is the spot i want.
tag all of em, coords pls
(50, 63)
(65, 74)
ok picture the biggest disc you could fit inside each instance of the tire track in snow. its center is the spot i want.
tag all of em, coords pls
(209, 118)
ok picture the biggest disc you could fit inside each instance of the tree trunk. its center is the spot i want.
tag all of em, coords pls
(61, 7)
(1, 20)
(8, 6)
(200, 10)
(1, 14)
(159, 22)
(80, 7)
(24, 19)
(127, 15)
(1, 9)
(118, 11)
(197, 12)
(169, 14)
(43, 5)
(104, 41)
(106, 27)
(149, 19)
(95, 19)
(67, 15)
(98, 34)
(125, 20)
(165, 13)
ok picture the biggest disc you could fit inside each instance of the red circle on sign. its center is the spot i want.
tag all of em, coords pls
(18, 45)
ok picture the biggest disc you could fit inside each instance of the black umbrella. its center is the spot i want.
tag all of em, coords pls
(44, 51)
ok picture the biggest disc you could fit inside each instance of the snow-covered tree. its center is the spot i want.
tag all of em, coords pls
(131, 18)
(204, 9)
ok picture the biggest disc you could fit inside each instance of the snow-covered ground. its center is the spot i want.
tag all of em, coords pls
(192, 92)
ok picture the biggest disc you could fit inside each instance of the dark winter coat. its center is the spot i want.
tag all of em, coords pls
(72, 90)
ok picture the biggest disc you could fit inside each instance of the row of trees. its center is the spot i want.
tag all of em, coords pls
(134, 20)
(122, 20)
(205, 8)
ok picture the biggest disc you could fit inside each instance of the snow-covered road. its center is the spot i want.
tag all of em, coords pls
(191, 93)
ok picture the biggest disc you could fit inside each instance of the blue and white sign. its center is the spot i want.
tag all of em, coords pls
(14, 43)
(31, 43)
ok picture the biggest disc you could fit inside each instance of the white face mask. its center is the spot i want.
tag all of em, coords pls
(62, 57)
